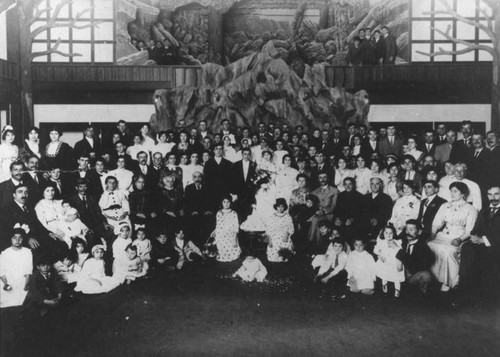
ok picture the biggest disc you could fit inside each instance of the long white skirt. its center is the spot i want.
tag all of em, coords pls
(447, 262)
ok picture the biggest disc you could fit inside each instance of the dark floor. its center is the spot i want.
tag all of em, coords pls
(204, 312)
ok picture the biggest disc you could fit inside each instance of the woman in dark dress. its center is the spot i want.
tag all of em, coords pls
(31, 145)
(57, 153)
(141, 204)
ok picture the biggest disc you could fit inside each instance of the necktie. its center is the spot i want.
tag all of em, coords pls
(426, 204)
(35, 178)
(391, 139)
(428, 147)
(84, 201)
(336, 261)
(25, 210)
(410, 248)
(493, 211)
(143, 168)
(476, 154)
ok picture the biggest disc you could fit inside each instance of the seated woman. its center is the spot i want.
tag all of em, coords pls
(49, 211)
(298, 196)
(141, 203)
(451, 227)
(405, 208)
(279, 231)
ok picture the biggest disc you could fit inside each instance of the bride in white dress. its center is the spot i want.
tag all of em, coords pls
(8, 152)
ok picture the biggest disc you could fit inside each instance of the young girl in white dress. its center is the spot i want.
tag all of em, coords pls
(92, 279)
(143, 245)
(119, 245)
(226, 232)
(8, 152)
(388, 267)
(360, 269)
(16, 266)
(279, 231)
(136, 268)
(79, 249)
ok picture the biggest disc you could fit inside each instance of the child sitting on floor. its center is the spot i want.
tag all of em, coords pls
(92, 279)
(67, 268)
(162, 253)
(332, 274)
(120, 244)
(251, 269)
(360, 269)
(143, 245)
(388, 267)
(79, 249)
(136, 268)
(45, 288)
(186, 250)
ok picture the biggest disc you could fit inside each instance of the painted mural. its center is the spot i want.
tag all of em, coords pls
(183, 32)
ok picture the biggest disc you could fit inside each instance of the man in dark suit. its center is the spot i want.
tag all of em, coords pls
(378, 207)
(6, 187)
(90, 213)
(391, 48)
(445, 152)
(480, 263)
(243, 186)
(94, 176)
(370, 146)
(464, 145)
(64, 186)
(350, 207)
(334, 146)
(32, 178)
(416, 256)
(429, 206)
(478, 161)
(17, 212)
(379, 44)
(155, 170)
(493, 141)
(391, 144)
(429, 146)
(89, 146)
(82, 170)
(321, 168)
(217, 173)
(141, 167)
(120, 148)
(198, 211)
(441, 131)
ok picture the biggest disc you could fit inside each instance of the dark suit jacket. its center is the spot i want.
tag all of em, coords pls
(494, 166)
(391, 49)
(41, 289)
(90, 214)
(379, 48)
(12, 214)
(67, 187)
(242, 187)
(478, 167)
(379, 208)
(420, 259)
(218, 179)
(33, 188)
(95, 184)
(6, 188)
(385, 147)
(427, 218)
(83, 147)
(489, 227)
(196, 200)
(367, 150)
(428, 152)
(333, 148)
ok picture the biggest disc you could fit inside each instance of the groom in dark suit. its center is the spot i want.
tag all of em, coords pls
(243, 186)
(430, 205)
(480, 257)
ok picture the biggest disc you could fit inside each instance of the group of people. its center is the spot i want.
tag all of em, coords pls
(160, 52)
(379, 47)
(356, 202)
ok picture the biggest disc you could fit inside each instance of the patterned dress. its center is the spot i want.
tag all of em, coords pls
(279, 229)
(226, 239)
(405, 208)
(457, 220)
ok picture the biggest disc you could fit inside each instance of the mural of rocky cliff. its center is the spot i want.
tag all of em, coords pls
(259, 87)
(223, 31)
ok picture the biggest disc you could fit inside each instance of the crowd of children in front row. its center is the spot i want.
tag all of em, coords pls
(336, 269)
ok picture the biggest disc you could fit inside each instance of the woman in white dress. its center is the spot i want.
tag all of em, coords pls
(50, 211)
(92, 278)
(410, 148)
(286, 179)
(405, 208)
(445, 182)
(163, 146)
(263, 208)
(341, 172)
(362, 175)
(226, 232)
(16, 266)
(147, 141)
(230, 152)
(8, 152)
(183, 165)
(279, 231)
(137, 148)
(265, 163)
(451, 227)
(394, 185)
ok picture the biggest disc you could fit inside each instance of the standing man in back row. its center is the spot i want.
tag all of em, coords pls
(391, 49)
